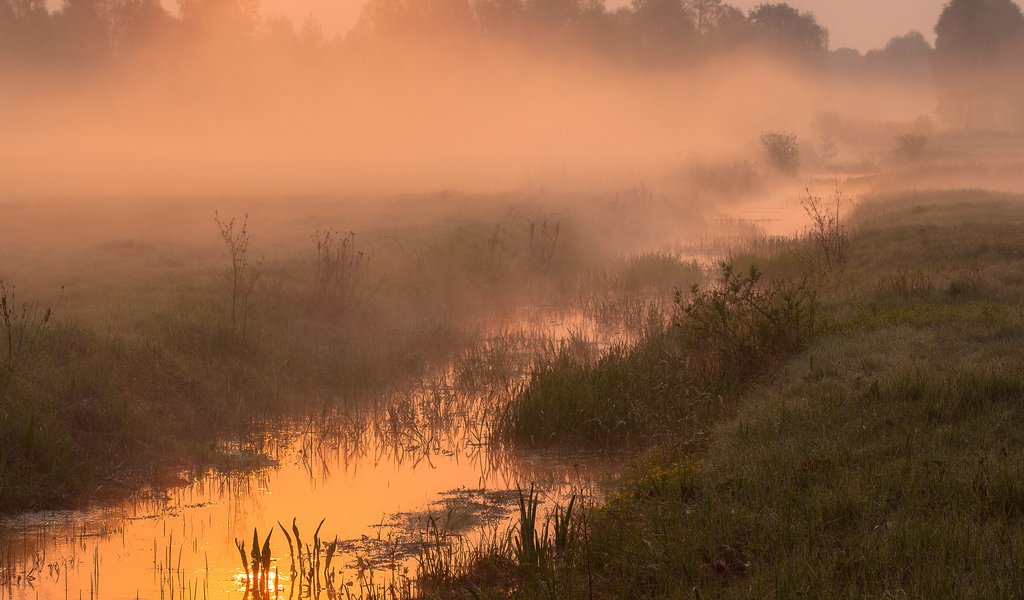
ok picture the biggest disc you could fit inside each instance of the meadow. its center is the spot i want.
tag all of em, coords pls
(860, 441)
(134, 344)
(824, 408)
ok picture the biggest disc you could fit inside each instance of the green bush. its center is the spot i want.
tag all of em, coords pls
(720, 337)
(737, 328)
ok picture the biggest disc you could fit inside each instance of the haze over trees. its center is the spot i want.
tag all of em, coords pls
(222, 95)
(970, 32)
(658, 31)
(976, 62)
(979, 62)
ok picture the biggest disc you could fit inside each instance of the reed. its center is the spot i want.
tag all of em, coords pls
(877, 457)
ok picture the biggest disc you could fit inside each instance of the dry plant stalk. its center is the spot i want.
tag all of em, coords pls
(22, 325)
(244, 275)
(338, 268)
(827, 234)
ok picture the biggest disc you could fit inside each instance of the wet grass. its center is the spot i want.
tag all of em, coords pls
(675, 374)
(881, 459)
(148, 364)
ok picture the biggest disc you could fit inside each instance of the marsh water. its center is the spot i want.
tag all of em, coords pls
(377, 473)
(374, 475)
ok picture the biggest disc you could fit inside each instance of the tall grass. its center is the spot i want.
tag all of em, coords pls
(536, 552)
(878, 458)
(339, 270)
(111, 403)
(22, 324)
(719, 337)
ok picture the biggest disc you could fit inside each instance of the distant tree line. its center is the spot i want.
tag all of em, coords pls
(660, 31)
(977, 63)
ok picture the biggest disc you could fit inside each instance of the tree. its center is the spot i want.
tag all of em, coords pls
(279, 32)
(85, 33)
(977, 32)
(404, 18)
(311, 33)
(663, 28)
(25, 29)
(782, 150)
(501, 16)
(782, 28)
(978, 52)
(560, 13)
(907, 56)
(226, 20)
(136, 23)
(719, 25)
(706, 13)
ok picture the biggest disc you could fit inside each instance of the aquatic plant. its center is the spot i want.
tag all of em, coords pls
(528, 547)
(258, 571)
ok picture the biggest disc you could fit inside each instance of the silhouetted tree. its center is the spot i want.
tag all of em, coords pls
(85, 31)
(978, 52)
(559, 13)
(782, 28)
(134, 24)
(25, 30)
(311, 33)
(222, 20)
(664, 29)
(847, 61)
(503, 17)
(977, 32)
(279, 33)
(720, 25)
(422, 18)
(708, 13)
(907, 56)
(653, 31)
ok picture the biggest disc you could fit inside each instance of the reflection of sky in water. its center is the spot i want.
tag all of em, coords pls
(374, 476)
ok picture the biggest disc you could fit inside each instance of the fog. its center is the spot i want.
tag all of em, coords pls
(405, 113)
(260, 274)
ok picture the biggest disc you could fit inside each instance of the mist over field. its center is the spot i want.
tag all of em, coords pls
(123, 98)
(511, 299)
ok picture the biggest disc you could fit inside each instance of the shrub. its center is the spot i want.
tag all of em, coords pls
(826, 238)
(635, 393)
(733, 330)
(782, 151)
(911, 146)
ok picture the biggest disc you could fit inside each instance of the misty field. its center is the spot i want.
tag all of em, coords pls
(509, 299)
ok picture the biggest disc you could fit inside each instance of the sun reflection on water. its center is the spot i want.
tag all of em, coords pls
(377, 471)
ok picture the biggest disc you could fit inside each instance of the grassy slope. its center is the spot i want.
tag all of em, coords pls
(886, 460)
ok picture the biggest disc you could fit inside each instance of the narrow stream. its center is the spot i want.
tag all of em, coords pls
(374, 475)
